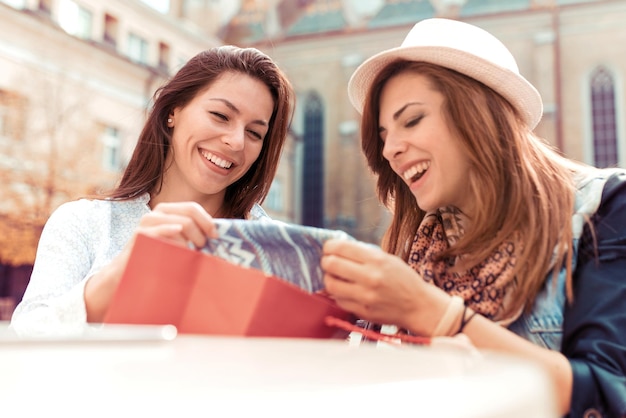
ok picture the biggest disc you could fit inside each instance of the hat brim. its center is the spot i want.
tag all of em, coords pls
(513, 87)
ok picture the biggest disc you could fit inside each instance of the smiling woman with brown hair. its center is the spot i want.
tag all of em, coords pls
(210, 148)
(494, 234)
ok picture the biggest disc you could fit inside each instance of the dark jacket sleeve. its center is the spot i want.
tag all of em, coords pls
(594, 328)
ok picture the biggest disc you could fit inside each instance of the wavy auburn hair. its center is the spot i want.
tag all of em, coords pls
(144, 173)
(522, 189)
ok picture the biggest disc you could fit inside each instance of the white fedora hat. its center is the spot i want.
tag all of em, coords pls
(464, 48)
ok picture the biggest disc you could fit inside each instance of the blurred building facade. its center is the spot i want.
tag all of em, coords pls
(573, 51)
(76, 79)
(77, 76)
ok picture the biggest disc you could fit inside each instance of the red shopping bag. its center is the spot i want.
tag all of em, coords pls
(200, 293)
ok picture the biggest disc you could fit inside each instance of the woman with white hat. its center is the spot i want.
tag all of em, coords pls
(494, 234)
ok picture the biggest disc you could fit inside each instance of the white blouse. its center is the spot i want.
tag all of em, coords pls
(78, 240)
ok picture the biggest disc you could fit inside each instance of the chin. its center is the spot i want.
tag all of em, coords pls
(427, 206)
(422, 205)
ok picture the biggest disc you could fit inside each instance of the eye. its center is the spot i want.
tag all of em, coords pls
(255, 134)
(414, 121)
(219, 116)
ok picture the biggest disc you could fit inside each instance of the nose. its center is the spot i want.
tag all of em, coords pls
(394, 146)
(235, 138)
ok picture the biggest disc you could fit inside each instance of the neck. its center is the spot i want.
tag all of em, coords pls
(211, 203)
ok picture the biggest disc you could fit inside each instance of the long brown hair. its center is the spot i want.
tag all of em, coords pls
(523, 190)
(144, 173)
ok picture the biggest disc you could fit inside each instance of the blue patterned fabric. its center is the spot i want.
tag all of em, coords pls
(288, 251)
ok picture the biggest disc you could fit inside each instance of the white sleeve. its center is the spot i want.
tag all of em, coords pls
(54, 300)
(258, 214)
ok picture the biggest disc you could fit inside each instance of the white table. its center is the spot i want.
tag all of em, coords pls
(136, 374)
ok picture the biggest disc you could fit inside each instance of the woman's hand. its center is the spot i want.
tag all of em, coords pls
(380, 287)
(181, 222)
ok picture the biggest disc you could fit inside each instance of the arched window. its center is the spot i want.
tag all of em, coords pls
(603, 119)
(313, 162)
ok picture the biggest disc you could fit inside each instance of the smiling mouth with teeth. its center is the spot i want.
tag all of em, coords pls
(417, 171)
(216, 160)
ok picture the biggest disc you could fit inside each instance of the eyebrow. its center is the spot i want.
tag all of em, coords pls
(235, 109)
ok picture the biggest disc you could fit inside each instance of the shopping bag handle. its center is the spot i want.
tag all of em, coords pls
(395, 339)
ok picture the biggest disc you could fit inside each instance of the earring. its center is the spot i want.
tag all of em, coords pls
(169, 120)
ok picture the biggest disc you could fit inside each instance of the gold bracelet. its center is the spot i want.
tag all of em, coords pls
(451, 318)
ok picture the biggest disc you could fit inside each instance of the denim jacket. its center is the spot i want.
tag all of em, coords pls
(543, 325)
(594, 390)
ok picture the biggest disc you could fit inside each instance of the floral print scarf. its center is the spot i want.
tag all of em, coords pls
(484, 287)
